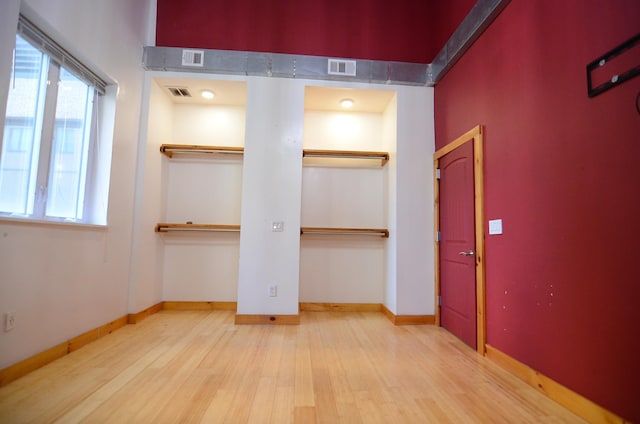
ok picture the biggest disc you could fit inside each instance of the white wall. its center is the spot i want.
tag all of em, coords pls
(414, 202)
(147, 253)
(390, 135)
(63, 280)
(271, 191)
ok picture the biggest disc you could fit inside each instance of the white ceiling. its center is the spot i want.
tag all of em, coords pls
(328, 99)
(234, 93)
(230, 93)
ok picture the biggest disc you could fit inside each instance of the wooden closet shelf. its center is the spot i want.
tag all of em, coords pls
(171, 149)
(166, 227)
(382, 232)
(346, 154)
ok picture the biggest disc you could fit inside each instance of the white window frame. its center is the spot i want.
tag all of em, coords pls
(93, 182)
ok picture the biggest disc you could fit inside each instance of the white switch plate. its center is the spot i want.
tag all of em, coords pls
(277, 226)
(9, 320)
(273, 290)
(495, 226)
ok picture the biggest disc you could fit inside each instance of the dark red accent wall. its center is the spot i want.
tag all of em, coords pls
(446, 17)
(403, 30)
(563, 172)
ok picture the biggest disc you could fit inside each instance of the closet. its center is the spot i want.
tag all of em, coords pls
(201, 152)
(344, 211)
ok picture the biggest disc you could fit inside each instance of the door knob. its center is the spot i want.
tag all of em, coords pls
(469, 253)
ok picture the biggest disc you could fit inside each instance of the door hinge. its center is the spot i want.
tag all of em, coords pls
(439, 300)
(437, 173)
(438, 236)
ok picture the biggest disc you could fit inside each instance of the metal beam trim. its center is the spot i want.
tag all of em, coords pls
(474, 24)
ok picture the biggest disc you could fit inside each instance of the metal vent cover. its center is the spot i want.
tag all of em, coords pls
(179, 91)
(341, 67)
(193, 58)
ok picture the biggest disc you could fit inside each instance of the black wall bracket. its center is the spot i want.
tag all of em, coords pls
(608, 73)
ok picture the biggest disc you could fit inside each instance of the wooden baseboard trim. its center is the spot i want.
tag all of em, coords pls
(24, 367)
(566, 397)
(340, 307)
(415, 320)
(199, 306)
(93, 335)
(408, 319)
(136, 318)
(268, 319)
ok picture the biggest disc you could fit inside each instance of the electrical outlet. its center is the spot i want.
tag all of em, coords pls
(273, 290)
(9, 320)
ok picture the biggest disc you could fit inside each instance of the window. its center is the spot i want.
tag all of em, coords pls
(50, 133)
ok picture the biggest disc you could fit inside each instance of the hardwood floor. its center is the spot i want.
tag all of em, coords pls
(335, 367)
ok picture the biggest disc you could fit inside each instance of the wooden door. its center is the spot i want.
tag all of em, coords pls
(457, 244)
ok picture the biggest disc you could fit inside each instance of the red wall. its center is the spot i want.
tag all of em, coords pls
(563, 172)
(404, 30)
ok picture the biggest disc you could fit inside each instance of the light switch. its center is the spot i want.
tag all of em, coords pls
(277, 226)
(495, 226)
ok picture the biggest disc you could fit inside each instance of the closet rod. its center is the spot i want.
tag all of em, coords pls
(171, 149)
(382, 232)
(166, 227)
(348, 154)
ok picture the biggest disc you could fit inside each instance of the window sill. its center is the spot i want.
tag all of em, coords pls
(44, 222)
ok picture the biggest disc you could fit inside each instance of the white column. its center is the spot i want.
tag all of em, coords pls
(271, 192)
(414, 202)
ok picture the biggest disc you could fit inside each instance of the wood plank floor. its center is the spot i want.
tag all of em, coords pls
(335, 367)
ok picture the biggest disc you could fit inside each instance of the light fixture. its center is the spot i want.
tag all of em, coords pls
(346, 103)
(207, 94)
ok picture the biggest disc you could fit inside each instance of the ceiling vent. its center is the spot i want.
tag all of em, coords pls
(193, 58)
(342, 67)
(179, 91)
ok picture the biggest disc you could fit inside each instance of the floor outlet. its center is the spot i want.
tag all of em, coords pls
(9, 321)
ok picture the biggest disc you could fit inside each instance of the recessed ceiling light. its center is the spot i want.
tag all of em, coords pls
(346, 103)
(207, 94)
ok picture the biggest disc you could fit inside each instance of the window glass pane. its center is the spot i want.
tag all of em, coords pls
(67, 179)
(22, 130)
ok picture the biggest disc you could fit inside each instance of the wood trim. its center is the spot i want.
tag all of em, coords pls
(136, 318)
(408, 319)
(32, 363)
(24, 367)
(566, 397)
(478, 172)
(199, 306)
(382, 232)
(165, 227)
(340, 307)
(346, 154)
(93, 335)
(469, 135)
(436, 240)
(474, 135)
(415, 320)
(268, 319)
(390, 315)
(171, 149)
